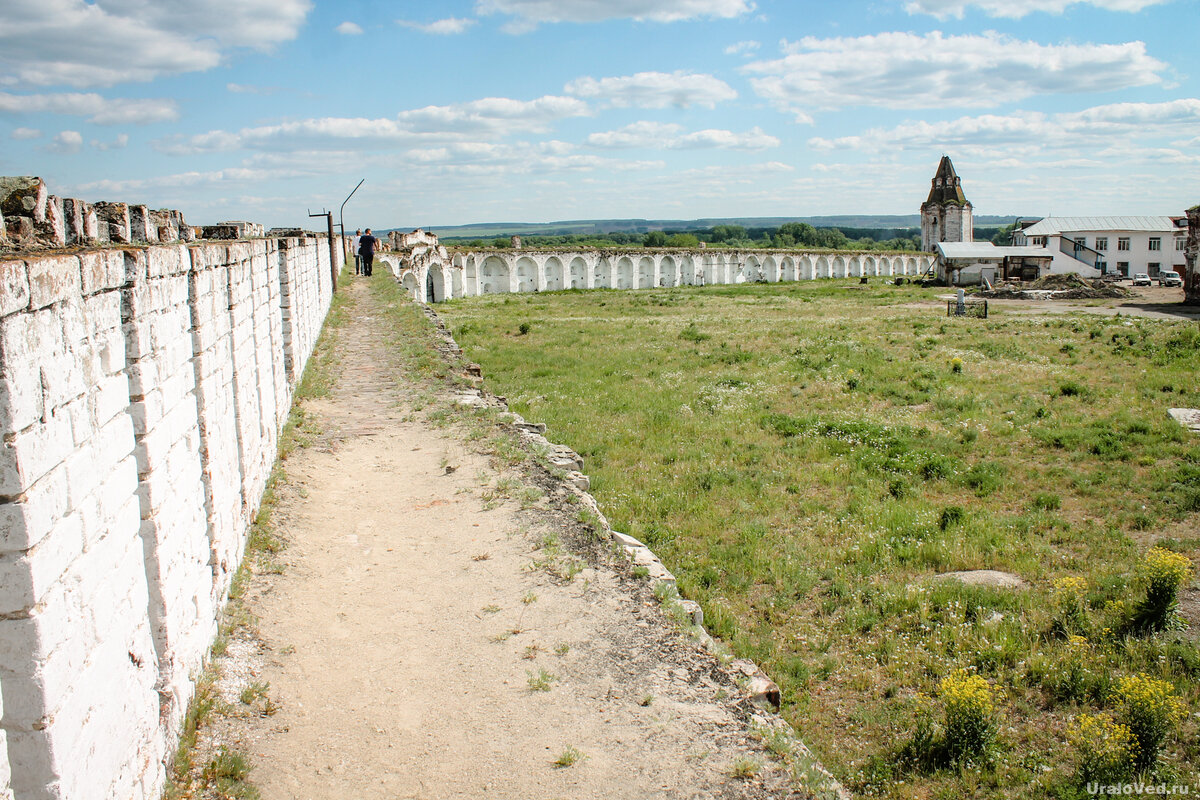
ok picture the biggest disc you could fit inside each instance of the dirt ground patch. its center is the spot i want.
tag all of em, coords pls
(412, 646)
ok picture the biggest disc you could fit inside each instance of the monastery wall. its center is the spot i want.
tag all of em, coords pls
(433, 275)
(142, 390)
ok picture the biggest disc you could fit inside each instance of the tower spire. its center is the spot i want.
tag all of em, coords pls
(946, 185)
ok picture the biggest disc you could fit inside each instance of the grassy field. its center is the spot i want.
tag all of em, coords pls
(807, 457)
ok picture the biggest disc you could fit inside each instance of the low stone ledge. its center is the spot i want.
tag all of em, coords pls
(760, 689)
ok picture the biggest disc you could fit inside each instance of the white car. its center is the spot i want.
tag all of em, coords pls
(1169, 278)
(1141, 279)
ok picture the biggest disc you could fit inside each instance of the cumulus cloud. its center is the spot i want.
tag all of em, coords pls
(98, 110)
(655, 90)
(441, 27)
(491, 117)
(66, 142)
(26, 133)
(669, 136)
(102, 43)
(528, 14)
(117, 188)
(247, 88)
(492, 114)
(349, 29)
(1016, 9)
(742, 48)
(1029, 133)
(906, 70)
(119, 143)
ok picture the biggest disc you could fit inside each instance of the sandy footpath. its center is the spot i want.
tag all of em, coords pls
(415, 648)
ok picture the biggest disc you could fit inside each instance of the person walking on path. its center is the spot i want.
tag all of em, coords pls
(366, 249)
(354, 247)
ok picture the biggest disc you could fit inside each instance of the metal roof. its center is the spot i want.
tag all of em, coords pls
(1051, 226)
(987, 250)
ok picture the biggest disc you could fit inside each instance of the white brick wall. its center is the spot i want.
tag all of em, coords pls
(74, 584)
(141, 396)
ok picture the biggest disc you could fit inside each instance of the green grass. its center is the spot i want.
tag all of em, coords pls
(805, 457)
(569, 757)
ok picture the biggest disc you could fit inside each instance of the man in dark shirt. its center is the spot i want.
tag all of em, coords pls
(366, 249)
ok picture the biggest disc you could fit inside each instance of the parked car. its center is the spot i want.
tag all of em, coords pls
(1141, 279)
(1170, 278)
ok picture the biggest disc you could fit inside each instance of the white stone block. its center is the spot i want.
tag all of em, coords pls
(25, 578)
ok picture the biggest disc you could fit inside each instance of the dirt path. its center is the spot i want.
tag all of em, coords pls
(405, 637)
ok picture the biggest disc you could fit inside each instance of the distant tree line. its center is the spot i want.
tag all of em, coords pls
(790, 235)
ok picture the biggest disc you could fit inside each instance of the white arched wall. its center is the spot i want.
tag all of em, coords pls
(577, 274)
(436, 282)
(410, 284)
(526, 275)
(623, 274)
(602, 274)
(470, 274)
(787, 269)
(645, 273)
(687, 271)
(553, 270)
(668, 272)
(495, 277)
(752, 271)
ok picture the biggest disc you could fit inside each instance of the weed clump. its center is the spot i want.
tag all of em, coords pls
(1162, 573)
(968, 727)
(970, 703)
(1150, 709)
(1068, 599)
(952, 517)
(1107, 749)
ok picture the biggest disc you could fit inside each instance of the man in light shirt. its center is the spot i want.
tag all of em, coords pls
(354, 248)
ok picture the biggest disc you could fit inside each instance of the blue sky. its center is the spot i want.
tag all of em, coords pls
(536, 110)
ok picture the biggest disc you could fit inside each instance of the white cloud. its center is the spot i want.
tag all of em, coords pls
(246, 88)
(1015, 9)
(530, 13)
(441, 27)
(99, 110)
(66, 142)
(905, 70)
(78, 43)
(117, 144)
(117, 188)
(742, 48)
(1028, 134)
(26, 133)
(349, 29)
(491, 116)
(655, 90)
(665, 136)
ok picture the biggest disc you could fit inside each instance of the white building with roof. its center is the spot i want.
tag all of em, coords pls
(1093, 246)
(968, 263)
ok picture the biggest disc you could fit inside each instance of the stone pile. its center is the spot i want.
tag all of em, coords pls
(31, 219)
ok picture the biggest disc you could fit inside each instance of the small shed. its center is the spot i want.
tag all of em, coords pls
(968, 263)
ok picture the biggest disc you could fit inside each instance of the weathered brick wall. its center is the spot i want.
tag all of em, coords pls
(141, 396)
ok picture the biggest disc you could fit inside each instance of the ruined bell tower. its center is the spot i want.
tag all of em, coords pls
(946, 216)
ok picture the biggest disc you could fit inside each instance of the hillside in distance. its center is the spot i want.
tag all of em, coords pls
(484, 230)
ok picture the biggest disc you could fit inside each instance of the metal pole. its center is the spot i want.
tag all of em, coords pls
(341, 211)
(333, 271)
